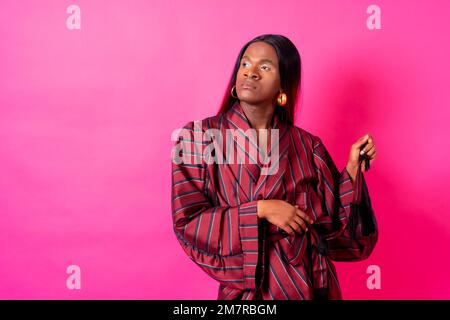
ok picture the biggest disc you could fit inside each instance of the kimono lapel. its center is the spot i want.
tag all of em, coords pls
(264, 177)
(272, 172)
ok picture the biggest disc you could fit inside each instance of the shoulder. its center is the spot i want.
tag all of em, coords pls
(211, 122)
(197, 131)
(306, 137)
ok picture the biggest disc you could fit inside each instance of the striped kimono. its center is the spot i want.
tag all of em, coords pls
(214, 210)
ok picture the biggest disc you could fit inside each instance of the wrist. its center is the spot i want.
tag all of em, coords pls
(351, 172)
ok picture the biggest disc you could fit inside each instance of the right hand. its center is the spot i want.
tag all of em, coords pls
(284, 215)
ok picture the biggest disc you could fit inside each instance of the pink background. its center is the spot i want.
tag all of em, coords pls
(86, 117)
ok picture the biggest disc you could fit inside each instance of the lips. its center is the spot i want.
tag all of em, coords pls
(248, 85)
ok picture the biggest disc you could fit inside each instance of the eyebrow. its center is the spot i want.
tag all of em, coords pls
(262, 60)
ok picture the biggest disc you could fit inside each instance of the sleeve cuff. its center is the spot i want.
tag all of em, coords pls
(248, 230)
(346, 190)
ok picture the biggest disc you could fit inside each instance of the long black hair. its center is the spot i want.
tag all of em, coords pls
(289, 63)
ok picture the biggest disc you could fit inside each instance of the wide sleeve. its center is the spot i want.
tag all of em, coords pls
(335, 193)
(345, 225)
(221, 240)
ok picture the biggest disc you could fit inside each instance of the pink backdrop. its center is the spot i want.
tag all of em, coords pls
(86, 117)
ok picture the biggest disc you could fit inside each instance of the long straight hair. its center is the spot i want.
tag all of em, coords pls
(289, 63)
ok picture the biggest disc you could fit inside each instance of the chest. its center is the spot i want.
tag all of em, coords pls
(233, 184)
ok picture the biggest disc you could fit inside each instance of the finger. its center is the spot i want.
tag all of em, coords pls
(295, 229)
(372, 155)
(362, 140)
(299, 221)
(296, 211)
(300, 226)
(366, 148)
(304, 216)
(371, 152)
(287, 228)
(365, 137)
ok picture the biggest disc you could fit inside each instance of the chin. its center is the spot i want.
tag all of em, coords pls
(252, 101)
(249, 98)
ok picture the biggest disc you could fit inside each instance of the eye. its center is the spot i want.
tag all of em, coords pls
(244, 63)
(265, 67)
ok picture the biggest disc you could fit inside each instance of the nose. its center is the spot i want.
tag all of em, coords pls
(250, 73)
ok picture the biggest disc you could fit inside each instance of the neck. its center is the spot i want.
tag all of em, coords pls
(259, 115)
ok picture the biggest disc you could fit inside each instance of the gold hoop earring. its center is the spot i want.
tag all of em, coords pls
(282, 99)
(232, 89)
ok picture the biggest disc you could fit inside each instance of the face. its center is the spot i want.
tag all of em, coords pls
(258, 77)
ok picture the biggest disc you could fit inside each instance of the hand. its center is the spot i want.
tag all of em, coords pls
(284, 215)
(356, 150)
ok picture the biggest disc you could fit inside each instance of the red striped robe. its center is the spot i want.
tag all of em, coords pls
(214, 210)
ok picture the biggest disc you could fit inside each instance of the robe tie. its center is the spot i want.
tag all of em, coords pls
(319, 266)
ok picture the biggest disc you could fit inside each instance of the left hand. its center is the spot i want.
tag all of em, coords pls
(369, 149)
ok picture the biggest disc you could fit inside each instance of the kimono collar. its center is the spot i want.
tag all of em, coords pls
(237, 116)
(272, 170)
